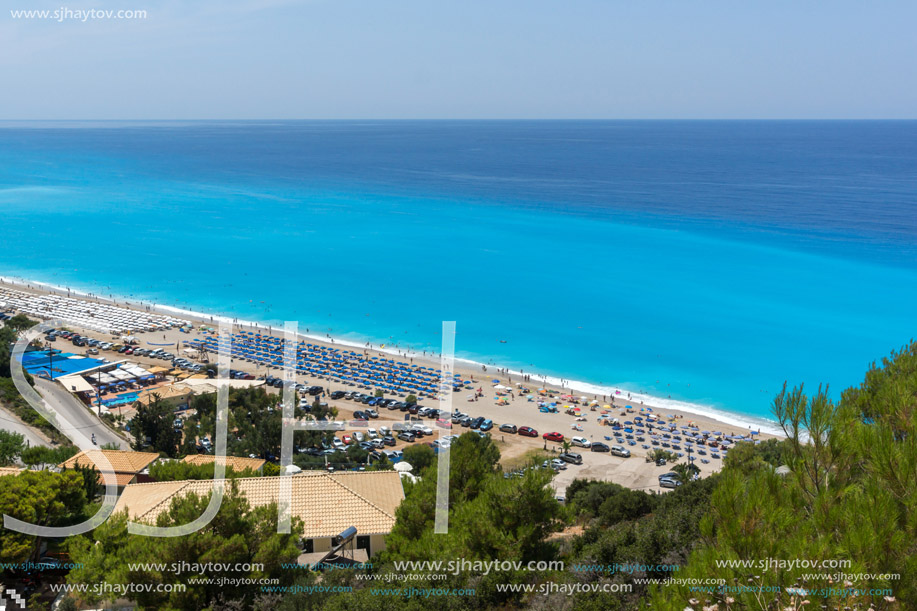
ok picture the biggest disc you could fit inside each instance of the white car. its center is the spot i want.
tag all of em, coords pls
(337, 443)
(581, 442)
(372, 433)
(358, 436)
(424, 428)
(385, 431)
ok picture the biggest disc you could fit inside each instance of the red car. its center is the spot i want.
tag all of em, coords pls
(346, 439)
(527, 431)
(555, 436)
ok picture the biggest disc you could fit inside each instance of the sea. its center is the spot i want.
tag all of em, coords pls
(700, 263)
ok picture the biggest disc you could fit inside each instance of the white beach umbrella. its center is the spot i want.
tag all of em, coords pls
(403, 467)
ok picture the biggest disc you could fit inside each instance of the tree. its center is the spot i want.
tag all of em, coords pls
(686, 471)
(152, 427)
(20, 322)
(656, 453)
(420, 456)
(490, 517)
(238, 535)
(849, 495)
(67, 604)
(11, 446)
(175, 470)
(42, 498)
(91, 483)
(42, 455)
(610, 503)
(411, 399)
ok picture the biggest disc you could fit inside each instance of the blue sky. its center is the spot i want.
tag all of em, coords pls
(235, 59)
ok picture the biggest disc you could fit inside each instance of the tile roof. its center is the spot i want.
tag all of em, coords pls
(122, 461)
(10, 471)
(236, 462)
(327, 503)
(122, 479)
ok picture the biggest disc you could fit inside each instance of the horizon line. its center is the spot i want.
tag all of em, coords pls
(444, 119)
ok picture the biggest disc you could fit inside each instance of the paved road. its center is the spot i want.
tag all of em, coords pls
(11, 422)
(74, 416)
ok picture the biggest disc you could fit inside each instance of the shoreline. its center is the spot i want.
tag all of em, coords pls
(658, 404)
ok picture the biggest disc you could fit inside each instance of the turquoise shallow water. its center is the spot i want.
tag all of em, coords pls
(706, 262)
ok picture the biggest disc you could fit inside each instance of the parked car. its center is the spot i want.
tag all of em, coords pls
(477, 422)
(508, 428)
(487, 425)
(443, 423)
(553, 436)
(527, 431)
(620, 451)
(598, 446)
(581, 442)
(388, 440)
(571, 457)
(669, 480)
(406, 436)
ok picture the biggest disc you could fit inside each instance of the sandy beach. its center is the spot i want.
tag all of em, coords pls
(514, 406)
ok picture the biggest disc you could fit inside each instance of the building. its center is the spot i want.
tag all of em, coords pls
(129, 467)
(176, 396)
(237, 463)
(327, 503)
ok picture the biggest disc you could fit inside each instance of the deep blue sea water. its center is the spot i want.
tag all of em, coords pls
(703, 261)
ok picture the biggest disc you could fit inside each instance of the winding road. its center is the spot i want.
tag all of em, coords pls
(74, 416)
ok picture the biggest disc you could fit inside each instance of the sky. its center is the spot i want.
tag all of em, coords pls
(461, 59)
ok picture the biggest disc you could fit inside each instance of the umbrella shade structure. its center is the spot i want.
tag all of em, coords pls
(403, 467)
